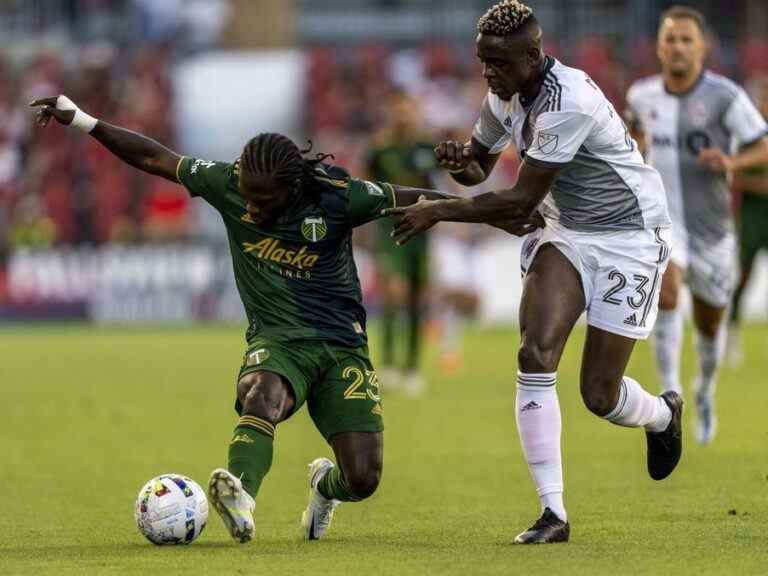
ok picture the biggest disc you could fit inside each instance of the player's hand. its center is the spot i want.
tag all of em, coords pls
(46, 109)
(715, 160)
(454, 156)
(412, 220)
(517, 228)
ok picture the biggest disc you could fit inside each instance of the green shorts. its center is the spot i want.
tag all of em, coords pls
(753, 233)
(338, 383)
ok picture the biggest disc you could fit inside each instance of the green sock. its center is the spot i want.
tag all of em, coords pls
(250, 452)
(387, 347)
(414, 331)
(334, 487)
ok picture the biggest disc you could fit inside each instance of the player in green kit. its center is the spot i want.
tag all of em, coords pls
(752, 184)
(400, 153)
(289, 221)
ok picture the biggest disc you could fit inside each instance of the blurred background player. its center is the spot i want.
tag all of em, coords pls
(454, 264)
(752, 187)
(688, 118)
(401, 152)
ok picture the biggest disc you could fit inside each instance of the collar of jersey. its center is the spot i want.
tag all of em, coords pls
(691, 89)
(545, 68)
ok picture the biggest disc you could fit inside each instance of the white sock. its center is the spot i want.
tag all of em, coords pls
(710, 355)
(636, 408)
(668, 342)
(538, 423)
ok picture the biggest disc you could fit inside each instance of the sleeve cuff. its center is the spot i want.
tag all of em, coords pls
(178, 168)
(391, 189)
(754, 140)
(543, 163)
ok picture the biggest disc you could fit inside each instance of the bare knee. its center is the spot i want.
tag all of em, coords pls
(537, 358)
(266, 395)
(363, 481)
(708, 327)
(600, 393)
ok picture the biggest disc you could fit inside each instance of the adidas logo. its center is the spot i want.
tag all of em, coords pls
(508, 122)
(530, 406)
(631, 321)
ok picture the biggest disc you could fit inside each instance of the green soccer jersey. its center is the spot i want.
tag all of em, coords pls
(297, 279)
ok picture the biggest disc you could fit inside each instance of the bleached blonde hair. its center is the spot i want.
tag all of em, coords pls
(504, 18)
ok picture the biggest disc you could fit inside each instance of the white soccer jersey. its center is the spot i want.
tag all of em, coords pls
(603, 184)
(715, 112)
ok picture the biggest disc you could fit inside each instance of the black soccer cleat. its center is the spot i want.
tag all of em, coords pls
(547, 530)
(665, 448)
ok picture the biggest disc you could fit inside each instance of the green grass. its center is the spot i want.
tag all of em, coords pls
(88, 415)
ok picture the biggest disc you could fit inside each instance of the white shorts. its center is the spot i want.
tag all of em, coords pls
(711, 269)
(454, 263)
(620, 273)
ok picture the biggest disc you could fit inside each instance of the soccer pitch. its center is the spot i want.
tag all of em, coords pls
(88, 415)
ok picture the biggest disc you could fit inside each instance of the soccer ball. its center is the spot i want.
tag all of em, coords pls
(171, 509)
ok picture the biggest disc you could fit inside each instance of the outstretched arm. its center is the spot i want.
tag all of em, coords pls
(406, 196)
(514, 207)
(135, 149)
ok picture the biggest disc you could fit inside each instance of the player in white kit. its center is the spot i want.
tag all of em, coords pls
(689, 119)
(602, 250)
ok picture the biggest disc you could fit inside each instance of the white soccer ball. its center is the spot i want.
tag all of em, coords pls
(171, 509)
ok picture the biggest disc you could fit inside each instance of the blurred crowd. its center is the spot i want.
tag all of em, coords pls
(346, 87)
(59, 187)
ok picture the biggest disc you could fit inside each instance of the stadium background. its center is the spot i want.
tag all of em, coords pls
(88, 414)
(84, 237)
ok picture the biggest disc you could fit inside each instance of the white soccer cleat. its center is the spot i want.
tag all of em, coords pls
(706, 421)
(234, 505)
(317, 517)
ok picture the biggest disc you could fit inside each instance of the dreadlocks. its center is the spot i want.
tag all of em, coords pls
(275, 155)
(505, 18)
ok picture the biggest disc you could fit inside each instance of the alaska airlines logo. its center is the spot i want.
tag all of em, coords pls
(272, 249)
(314, 228)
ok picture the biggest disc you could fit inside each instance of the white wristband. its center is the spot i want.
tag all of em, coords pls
(81, 121)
